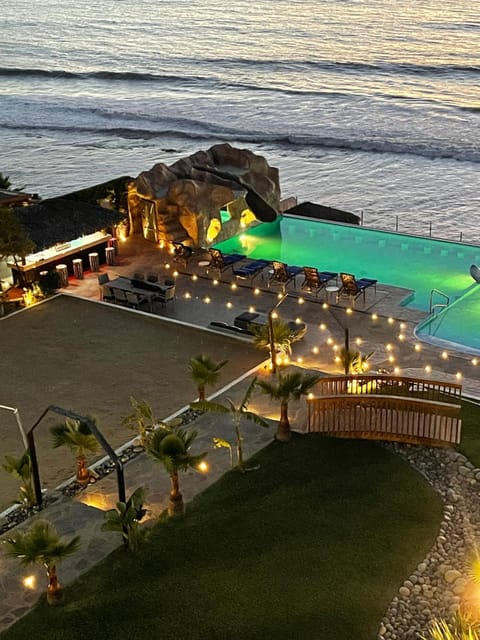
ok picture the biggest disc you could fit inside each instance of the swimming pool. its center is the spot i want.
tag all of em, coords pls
(417, 263)
(457, 326)
(400, 260)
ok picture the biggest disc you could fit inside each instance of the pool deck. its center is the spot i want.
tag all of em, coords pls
(198, 302)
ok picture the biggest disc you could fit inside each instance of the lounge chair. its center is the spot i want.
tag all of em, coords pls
(316, 280)
(353, 288)
(221, 261)
(282, 274)
(250, 270)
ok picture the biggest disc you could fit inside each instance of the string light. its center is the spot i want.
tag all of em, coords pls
(301, 301)
(298, 321)
(428, 369)
(374, 316)
(349, 311)
(233, 286)
(251, 309)
(358, 341)
(175, 274)
(215, 282)
(195, 277)
(322, 327)
(256, 291)
(324, 305)
(401, 337)
(459, 375)
(474, 361)
(445, 355)
(274, 315)
(403, 326)
(388, 347)
(229, 305)
(329, 340)
(300, 360)
(280, 295)
(315, 350)
(188, 295)
(207, 299)
(390, 320)
(418, 347)
(396, 370)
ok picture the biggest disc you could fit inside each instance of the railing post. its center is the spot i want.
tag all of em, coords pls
(396, 224)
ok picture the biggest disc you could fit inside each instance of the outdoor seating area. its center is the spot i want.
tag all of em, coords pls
(353, 289)
(315, 280)
(135, 292)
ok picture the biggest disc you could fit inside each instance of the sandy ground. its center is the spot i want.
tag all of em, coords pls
(90, 359)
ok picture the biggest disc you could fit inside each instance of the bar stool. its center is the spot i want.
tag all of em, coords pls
(78, 268)
(110, 255)
(113, 242)
(63, 274)
(94, 262)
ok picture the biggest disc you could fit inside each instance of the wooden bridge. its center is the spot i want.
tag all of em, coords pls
(385, 407)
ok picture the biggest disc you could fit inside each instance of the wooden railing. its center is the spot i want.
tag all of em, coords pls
(387, 408)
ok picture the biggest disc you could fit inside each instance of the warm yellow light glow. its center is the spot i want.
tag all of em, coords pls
(213, 229)
(418, 347)
(29, 582)
(403, 326)
(315, 350)
(390, 320)
(256, 291)
(188, 295)
(207, 299)
(322, 327)
(195, 277)
(203, 467)
(301, 301)
(388, 347)
(329, 340)
(300, 360)
(474, 361)
(337, 359)
(459, 375)
(310, 396)
(428, 369)
(175, 273)
(298, 321)
(349, 311)
(401, 337)
(274, 315)
(233, 286)
(229, 305)
(324, 305)
(374, 316)
(391, 358)
(251, 309)
(396, 370)
(335, 347)
(445, 355)
(167, 265)
(358, 341)
(279, 295)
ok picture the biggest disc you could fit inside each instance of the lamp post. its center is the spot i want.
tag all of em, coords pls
(271, 336)
(16, 413)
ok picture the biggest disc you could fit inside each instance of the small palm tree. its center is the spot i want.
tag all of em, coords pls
(237, 412)
(283, 336)
(461, 627)
(285, 388)
(354, 361)
(126, 519)
(205, 372)
(141, 420)
(41, 544)
(76, 435)
(21, 469)
(172, 449)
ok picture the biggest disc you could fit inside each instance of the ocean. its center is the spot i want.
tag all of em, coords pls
(372, 106)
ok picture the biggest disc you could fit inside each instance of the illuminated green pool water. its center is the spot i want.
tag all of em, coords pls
(421, 264)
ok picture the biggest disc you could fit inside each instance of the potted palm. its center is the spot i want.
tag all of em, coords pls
(41, 544)
(237, 412)
(77, 436)
(204, 372)
(126, 519)
(21, 469)
(172, 449)
(287, 387)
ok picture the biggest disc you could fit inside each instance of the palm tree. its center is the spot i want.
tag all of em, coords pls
(354, 361)
(461, 627)
(283, 336)
(141, 420)
(126, 519)
(172, 449)
(285, 388)
(204, 371)
(237, 412)
(21, 469)
(42, 544)
(76, 435)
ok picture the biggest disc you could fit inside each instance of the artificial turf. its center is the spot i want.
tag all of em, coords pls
(312, 545)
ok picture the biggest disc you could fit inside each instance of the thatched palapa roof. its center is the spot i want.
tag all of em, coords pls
(59, 220)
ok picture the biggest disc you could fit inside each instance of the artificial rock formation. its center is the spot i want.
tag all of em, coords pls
(182, 202)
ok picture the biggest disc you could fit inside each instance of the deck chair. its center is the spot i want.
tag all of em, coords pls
(282, 274)
(250, 270)
(222, 261)
(316, 280)
(353, 288)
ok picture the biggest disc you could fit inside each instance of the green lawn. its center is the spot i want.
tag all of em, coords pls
(312, 546)
(470, 445)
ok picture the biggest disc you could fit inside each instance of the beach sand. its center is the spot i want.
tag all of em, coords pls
(90, 359)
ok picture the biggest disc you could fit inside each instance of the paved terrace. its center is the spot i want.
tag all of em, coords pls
(199, 301)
